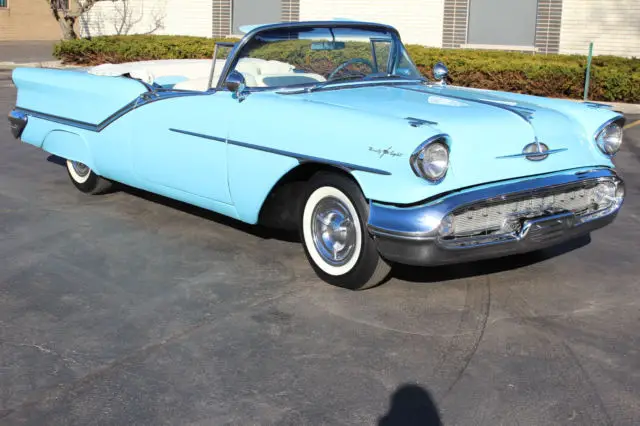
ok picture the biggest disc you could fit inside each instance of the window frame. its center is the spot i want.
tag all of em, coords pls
(6, 4)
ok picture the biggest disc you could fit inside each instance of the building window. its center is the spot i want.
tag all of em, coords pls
(4, 4)
(548, 25)
(502, 24)
(222, 18)
(456, 23)
(290, 10)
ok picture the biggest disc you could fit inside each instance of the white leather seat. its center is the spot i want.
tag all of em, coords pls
(200, 84)
(288, 79)
(193, 74)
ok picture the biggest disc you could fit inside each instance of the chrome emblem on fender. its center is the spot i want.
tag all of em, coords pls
(382, 152)
(536, 151)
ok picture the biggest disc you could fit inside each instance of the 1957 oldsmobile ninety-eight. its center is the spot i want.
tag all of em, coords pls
(329, 127)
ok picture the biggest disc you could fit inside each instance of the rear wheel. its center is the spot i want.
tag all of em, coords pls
(86, 180)
(334, 235)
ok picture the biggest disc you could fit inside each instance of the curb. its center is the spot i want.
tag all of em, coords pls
(9, 66)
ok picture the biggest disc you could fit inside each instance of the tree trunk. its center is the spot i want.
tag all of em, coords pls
(68, 25)
(67, 18)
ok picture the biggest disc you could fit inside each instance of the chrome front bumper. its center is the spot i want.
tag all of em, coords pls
(414, 235)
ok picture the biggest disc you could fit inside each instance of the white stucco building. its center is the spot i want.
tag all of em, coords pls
(554, 26)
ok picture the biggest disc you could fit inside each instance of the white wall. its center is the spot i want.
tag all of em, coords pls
(189, 17)
(180, 17)
(419, 21)
(613, 26)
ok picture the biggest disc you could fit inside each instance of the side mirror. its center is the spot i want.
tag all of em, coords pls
(235, 82)
(440, 72)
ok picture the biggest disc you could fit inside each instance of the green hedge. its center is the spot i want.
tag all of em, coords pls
(613, 78)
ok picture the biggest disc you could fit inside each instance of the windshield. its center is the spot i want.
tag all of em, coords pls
(318, 56)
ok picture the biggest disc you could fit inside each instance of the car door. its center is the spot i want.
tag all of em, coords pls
(180, 143)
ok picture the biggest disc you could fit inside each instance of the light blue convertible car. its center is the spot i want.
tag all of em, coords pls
(329, 128)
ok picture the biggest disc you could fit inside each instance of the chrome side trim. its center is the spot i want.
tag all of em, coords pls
(142, 100)
(60, 120)
(418, 122)
(522, 112)
(198, 135)
(302, 158)
(422, 222)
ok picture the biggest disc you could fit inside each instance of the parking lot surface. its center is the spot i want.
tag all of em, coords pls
(130, 308)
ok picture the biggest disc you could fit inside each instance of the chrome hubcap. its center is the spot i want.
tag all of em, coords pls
(334, 235)
(81, 169)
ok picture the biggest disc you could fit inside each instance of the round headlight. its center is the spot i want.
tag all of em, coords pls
(431, 161)
(610, 139)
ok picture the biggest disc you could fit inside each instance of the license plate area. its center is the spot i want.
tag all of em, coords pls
(548, 228)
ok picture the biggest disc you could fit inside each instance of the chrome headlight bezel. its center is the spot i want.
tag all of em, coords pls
(416, 159)
(616, 125)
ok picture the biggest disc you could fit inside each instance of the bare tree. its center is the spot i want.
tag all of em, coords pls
(67, 13)
(126, 18)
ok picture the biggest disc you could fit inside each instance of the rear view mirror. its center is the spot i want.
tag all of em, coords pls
(235, 82)
(327, 45)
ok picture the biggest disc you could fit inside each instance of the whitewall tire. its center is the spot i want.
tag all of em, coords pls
(333, 232)
(85, 179)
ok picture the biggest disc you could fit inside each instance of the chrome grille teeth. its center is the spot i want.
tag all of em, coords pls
(488, 219)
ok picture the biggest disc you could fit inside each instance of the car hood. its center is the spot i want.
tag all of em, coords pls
(488, 130)
(461, 112)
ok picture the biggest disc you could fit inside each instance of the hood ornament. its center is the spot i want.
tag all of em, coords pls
(535, 151)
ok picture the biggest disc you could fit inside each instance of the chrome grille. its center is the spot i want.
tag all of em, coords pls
(506, 216)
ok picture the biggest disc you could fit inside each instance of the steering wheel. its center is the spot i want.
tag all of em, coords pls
(350, 62)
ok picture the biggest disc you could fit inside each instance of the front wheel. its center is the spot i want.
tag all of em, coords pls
(334, 235)
(86, 180)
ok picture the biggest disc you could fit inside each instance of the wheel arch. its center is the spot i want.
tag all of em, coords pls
(291, 186)
(70, 146)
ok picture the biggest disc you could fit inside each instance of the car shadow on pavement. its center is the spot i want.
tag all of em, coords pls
(485, 267)
(418, 274)
(411, 405)
(255, 230)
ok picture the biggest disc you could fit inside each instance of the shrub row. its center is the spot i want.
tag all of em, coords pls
(613, 78)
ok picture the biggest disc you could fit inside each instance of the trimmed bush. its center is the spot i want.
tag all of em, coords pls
(613, 78)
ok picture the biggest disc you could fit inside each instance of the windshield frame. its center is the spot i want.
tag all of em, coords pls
(235, 54)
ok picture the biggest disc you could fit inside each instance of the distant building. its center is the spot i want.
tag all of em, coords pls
(541, 26)
(27, 20)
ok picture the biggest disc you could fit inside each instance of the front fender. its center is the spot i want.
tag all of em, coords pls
(345, 138)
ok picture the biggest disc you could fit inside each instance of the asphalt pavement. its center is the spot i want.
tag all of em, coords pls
(130, 309)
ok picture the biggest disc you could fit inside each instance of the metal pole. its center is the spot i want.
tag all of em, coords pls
(588, 77)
